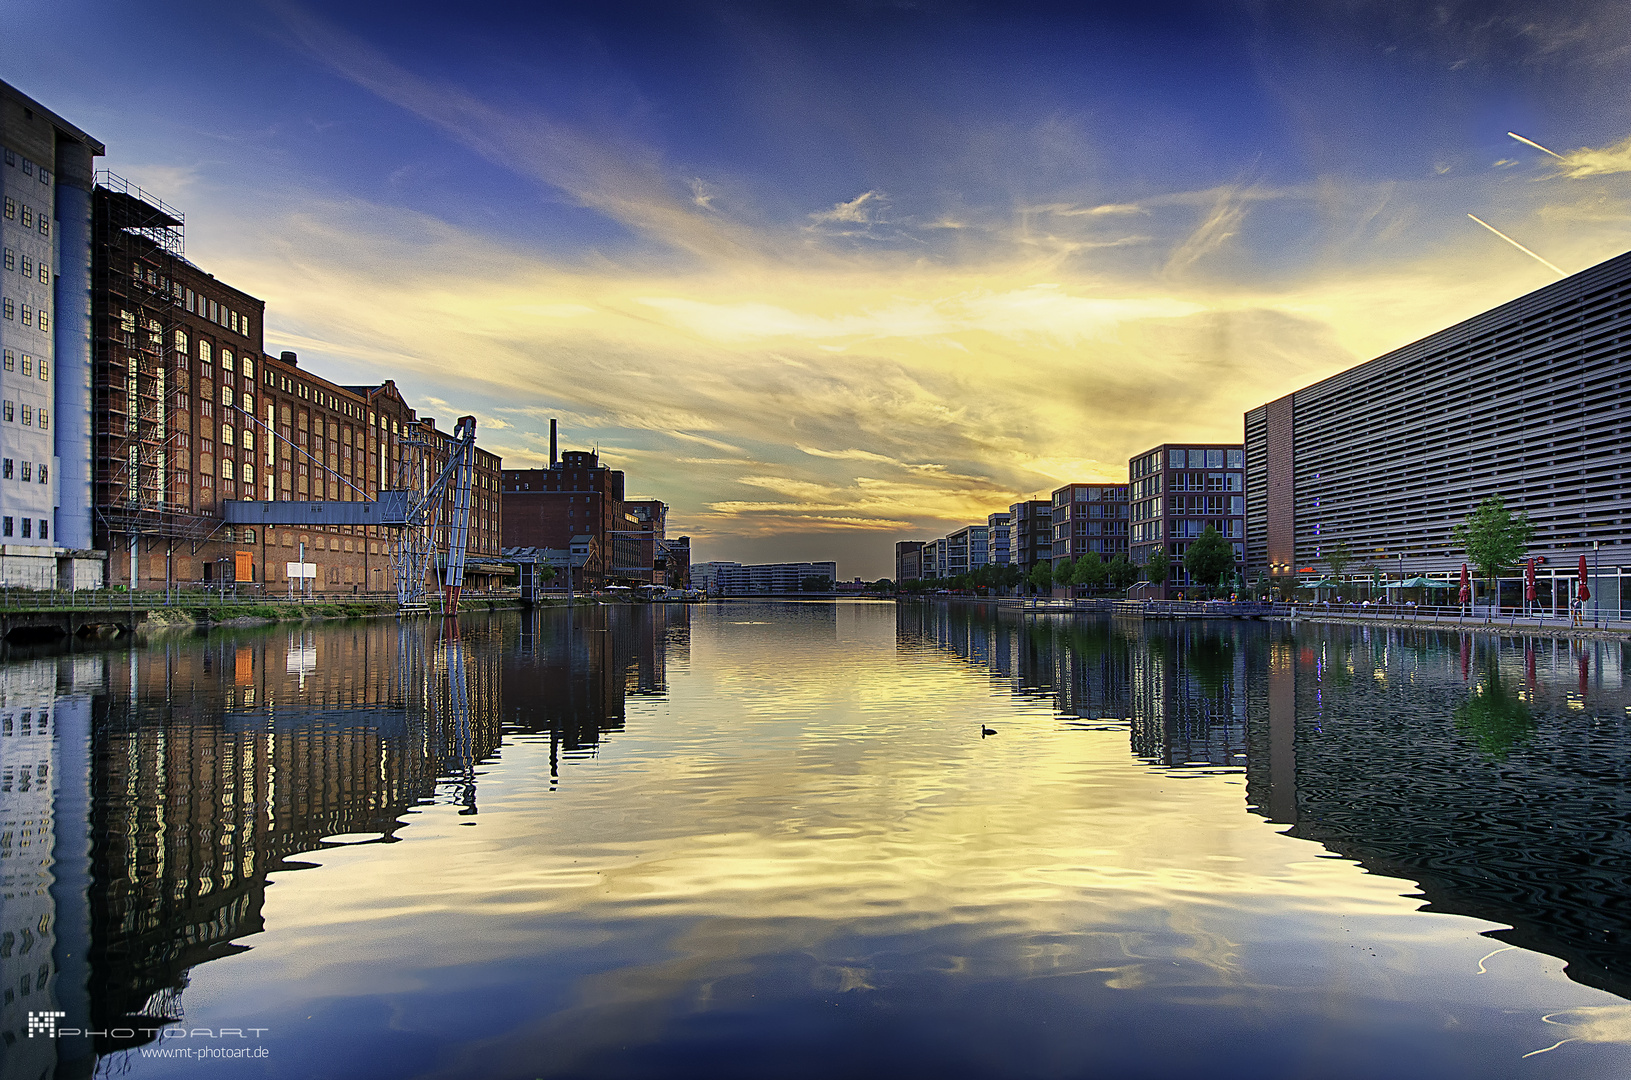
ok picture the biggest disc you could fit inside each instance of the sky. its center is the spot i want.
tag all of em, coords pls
(827, 276)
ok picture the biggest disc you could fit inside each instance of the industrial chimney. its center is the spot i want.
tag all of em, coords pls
(552, 442)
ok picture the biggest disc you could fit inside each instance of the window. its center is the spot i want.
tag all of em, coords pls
(28, 472)
(11, 259)
(45, 475)
(28, 267)
(228, 436)
(6, 468)
(226, 359)
(28, 167)
(248, 473)
(189, 299)
(181, 342)
(28, 414)
(11, 212)
(249, 402)
(45, 176)
(5, 527)
(45, 529)
(45, 420)
(11, 360)
(45, 225)
(45, 368)
(226, 396)
(28, 364)
(10, 412)
(204, 351)
(28, 528)
(10, 309)
(226, 469)
(45, 320)
(249, 368)
(28, 315)
(249, 439)
(28, 217)
(45, 274)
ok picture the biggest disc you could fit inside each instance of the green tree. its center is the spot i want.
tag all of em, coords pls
(1041, 577)
(1121, 570)
(1062, 571)
(1157, 570)
(1209, 558)
(1090, 571)
(1493, 537)
(815, 583)
(1337, 557)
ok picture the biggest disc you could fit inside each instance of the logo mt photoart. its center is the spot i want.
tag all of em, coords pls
(44, 1024)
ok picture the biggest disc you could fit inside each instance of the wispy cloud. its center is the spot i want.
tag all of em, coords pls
(1604, 161)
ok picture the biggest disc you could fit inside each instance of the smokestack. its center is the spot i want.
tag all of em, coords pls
(552, 442)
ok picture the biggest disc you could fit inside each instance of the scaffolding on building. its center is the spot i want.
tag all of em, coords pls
(138, 248)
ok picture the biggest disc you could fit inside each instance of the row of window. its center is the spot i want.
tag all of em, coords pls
(7, 468)
(8, 409)
(30, 268)
(31, 220)
(12, 159)
(44, 366)
(9, 307)
(28, 528)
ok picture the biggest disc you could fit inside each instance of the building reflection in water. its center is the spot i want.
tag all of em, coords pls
(147, 794)
(1493, 772)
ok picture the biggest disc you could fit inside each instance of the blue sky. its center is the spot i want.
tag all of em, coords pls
(825, 276)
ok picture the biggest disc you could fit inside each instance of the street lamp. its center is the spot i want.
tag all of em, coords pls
(1596, 580)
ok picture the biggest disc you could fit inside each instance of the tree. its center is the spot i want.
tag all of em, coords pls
(1122, 571)
(1337, 557)
(1090, 571)
(1209, 558)
(1062, 571)
(1040, 577)
(1158, 568)
(815, 583)
(1493, 537)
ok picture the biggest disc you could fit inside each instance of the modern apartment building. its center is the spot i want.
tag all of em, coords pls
(1177, 491)
(996, 531)
(1030, 532)
(908, 561)
(936, 556)
(966, 550)
(1527, 400)
(45, 295)
(1089, 517)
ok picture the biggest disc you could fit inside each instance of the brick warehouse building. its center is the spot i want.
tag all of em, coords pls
(190, 412)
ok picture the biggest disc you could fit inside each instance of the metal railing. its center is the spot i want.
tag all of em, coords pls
(197, 595)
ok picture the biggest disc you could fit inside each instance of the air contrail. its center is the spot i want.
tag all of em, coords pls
(1515, 244)
(1535, 144)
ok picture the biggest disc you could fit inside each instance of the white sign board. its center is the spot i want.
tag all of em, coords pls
(301, 570)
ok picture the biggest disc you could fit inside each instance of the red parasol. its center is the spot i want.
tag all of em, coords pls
(1585, 590)
(1529, 581)
(1466, 585)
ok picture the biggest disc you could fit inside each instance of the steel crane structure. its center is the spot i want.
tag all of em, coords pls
(412, 511)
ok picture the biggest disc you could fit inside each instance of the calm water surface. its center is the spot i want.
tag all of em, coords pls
(773, 840)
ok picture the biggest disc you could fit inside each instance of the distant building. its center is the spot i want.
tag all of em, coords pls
(1089, 517)
(1030, 532)
(1178, 490)
(997, 534)
(735, 579)
(577, 496)
(935, 555)
(908, 561)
